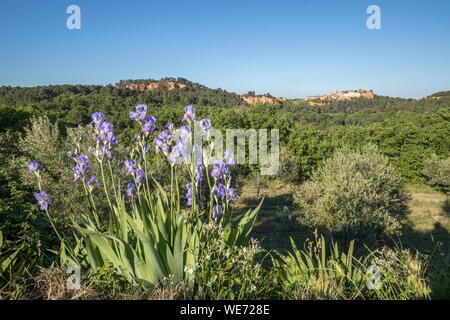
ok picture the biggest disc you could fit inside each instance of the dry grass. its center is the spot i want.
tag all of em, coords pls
(51, 285)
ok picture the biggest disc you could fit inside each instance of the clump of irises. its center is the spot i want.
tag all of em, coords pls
(209, 190)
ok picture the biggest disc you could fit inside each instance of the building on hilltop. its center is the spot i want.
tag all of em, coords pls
(343, 95)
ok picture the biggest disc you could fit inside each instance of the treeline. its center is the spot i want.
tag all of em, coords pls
(407, 131)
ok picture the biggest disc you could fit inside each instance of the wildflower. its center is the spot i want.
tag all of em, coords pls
(220, 191)
(189, 194)
(199, 173)
(180, 151)
(33, 166)
(146, 148)
(231, 195)
(189, 114)
(149, 124)
(185, 133)
(170, 126)
(136, 137)
(43, 200)
(102, 151)
(92, 182)
(139, 113)
(162, 142)
(77, 175)
(229, 157)
(104, 131)
(205, 126)
(216, 212)
(97, 118)
(220, 170)
(131, 189)
(130, 166)
(140, 176)
(83, 165)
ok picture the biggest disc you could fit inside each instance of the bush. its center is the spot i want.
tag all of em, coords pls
(437, 172)
(353, 193)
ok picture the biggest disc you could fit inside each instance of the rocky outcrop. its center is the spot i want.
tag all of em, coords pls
(252, 100)
(152, 86)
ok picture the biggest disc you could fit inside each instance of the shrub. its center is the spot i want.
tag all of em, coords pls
(353, 193)
(437, 172)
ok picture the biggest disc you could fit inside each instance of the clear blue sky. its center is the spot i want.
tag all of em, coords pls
(288, 48)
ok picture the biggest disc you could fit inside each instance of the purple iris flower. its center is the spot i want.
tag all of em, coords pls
(147, 148)
(33, 166)
(189, 114)
(102, 151)
(92, 182)
(220, 191)
(131, 189)
(199, 173)
(83, 165)
(77, 174)
(149, 124)
(232, 196)
(162, 142)
(130, 166)
(172, 158)
(216, 212)
(220, 170)
(205, 126)
(189, 194)
(43, 200)
(229, 157)
(139, 113)
(97, 118)
(104, 131)
(139, 176)
(185, 133)
(170, 126)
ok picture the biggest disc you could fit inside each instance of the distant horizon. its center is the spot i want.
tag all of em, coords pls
(291, 48)
(230, 91)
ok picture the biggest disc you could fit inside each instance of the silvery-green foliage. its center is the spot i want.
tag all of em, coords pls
(354, 193)
(43, 141)
(437, 172)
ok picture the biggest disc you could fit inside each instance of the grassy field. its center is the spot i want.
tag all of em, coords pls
(426, 227)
